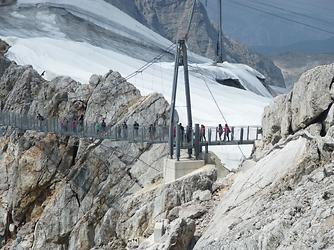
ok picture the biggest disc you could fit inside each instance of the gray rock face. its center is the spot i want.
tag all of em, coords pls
(309, 102)
(290, 195)
(3, 47)
(202, 195)
(312, 95)
(4, 63)
(284, 198)
(170, 19)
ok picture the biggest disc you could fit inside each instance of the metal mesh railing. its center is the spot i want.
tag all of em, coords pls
(152, 134)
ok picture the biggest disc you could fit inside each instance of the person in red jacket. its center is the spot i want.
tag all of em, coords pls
(227, 132)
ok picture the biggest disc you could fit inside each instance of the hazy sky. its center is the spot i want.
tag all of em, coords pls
(258, 22)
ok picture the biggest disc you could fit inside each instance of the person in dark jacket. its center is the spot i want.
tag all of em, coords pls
(220, 131)
(136, 128)
(125, 130)
(104, 125)
(202, 133)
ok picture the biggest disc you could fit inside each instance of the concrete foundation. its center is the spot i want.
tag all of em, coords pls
(174, 169)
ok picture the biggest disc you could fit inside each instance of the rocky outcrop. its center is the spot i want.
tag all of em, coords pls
(4, 62)
(283, 197)
(170, 19)
(308, 103)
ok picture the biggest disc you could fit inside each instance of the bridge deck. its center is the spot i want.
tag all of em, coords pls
(144, 134)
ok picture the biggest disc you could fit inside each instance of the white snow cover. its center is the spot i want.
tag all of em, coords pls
(105, 15)
(81, 60)
(248, 77)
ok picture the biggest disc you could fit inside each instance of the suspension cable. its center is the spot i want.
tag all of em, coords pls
(199, 70)
(151, 62)
(190, 20)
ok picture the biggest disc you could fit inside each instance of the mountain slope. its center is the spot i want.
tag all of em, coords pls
(283, 197)
(49, 47)
(169, 18)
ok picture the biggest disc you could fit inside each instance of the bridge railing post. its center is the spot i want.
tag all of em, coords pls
(206, 154)
(216, 135)
(248, 133)
(232, 134)
(189, 139)
(258, 130)
(210, 134)
(178, 142)
(197, 141)
(241, 135)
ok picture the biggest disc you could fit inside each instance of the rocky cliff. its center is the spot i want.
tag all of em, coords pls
(283, 198)
(170, 18)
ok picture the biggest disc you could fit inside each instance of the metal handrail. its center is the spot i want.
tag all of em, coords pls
(144, 134)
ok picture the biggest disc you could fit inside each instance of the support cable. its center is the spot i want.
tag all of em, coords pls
(190, 20)
(215, 101)
(281, 17)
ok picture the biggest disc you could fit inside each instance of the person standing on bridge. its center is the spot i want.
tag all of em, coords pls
(104, 126)
(227, 132)
(150, 131)
(74, 124)
(97, 127)
(181, 132)
(220, 131)
(40, 121)
(64, 124)
(125, 130)
(136, 128)
(119, 132)
(81, 123)
(202, 133)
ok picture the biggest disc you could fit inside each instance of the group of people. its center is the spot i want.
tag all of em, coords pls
(122, 130)
(220, 130)
(226, 131)
(75, 124)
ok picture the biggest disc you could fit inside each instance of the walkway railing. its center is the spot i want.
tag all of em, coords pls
(149, 134)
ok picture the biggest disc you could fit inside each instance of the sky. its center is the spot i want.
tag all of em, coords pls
(265, 22)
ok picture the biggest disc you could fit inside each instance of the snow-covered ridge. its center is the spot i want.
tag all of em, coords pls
(81, 60)
(105, 15)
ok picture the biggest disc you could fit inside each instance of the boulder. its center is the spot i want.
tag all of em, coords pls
(3, 47)
(309, 102)
(311, 96)
(178, 236)
(276, 120)
(202, 195)
(329, 121)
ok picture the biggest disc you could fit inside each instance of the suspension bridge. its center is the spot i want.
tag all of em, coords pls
(239, 135)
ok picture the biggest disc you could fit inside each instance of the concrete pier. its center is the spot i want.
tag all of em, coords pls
(174, 169)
